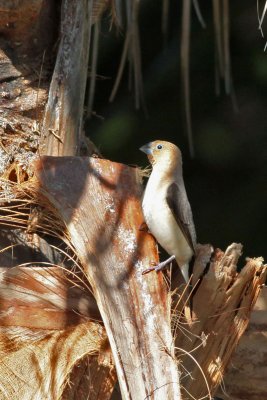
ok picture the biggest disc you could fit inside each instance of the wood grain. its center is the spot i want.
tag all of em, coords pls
(100, 203)
(43, 298)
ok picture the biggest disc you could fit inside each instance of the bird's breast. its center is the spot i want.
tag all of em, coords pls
(162, 224)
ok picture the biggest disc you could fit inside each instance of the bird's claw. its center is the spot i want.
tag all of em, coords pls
(155, 265)
(158, 267)
(146, 271)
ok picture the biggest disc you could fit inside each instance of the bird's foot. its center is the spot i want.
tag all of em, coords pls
(164, 264)
(160, 266)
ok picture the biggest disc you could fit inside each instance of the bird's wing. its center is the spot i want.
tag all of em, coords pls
(180, 207)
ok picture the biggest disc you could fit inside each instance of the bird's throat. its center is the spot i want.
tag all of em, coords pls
(151, 159)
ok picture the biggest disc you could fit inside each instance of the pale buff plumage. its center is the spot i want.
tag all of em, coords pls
(166, 208)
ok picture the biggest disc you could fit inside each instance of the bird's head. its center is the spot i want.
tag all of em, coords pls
(160, 151)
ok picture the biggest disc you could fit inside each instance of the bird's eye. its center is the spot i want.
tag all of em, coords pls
(159, 146)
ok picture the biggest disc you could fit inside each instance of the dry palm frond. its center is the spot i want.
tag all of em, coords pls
(199, 14)
(222, 54)
(93, 71)
(43, 355)
(117, 12)
(125, 13)
(219, 64)
(22, 203)
(226, 48)
(26, 207)
(185, 65)
(261, 17)
(145, 172)
(31, 212)
(221, 22)
(121, 66)
(39, 363)
(98, 8)
(132, 53)
(165, 19)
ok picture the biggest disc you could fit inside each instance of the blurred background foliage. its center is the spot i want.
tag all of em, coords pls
(226, 180)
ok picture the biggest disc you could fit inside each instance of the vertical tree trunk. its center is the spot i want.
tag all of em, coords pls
(63, 117)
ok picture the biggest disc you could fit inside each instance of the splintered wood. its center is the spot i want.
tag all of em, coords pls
(221, 305)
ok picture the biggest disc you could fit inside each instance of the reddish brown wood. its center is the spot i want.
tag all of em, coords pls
(100, 203)
(43, 298)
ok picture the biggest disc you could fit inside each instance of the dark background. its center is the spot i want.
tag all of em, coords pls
(226, 181)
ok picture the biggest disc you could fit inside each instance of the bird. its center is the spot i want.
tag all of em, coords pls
(166, 209)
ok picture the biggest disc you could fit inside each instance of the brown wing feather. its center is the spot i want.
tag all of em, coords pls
(177, 201)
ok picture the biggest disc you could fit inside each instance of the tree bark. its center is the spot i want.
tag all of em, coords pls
(62, 122)
(99, 202)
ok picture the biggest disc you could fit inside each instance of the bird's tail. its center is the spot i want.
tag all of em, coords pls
(185, 272)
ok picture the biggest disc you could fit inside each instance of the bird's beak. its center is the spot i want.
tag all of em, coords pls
(146, 149)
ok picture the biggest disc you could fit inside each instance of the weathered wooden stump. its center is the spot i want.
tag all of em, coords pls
(99, 201)
(93, 205)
